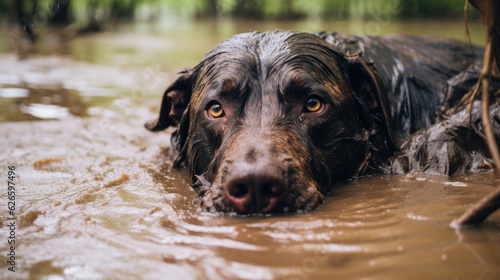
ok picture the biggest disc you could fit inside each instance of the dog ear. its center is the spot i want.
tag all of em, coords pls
(175, 101)
(372, 102)
(180, 137)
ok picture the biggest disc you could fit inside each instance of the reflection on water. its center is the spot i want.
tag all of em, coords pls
(56, 87)
(44, 111)
(98, 199)
(14, 93)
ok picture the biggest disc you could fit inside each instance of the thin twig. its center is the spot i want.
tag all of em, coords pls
(473, 94)
(467, 34)
(481, 210)
(485, 106)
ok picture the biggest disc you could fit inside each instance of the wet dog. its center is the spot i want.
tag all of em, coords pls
(269, 122)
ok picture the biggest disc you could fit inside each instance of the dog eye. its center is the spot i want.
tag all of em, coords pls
(216, 110)
(313, 105)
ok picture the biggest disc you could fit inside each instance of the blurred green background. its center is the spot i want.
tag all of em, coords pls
(103, 11)
(192, 27)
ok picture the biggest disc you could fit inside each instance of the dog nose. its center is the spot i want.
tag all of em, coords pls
(256, 189)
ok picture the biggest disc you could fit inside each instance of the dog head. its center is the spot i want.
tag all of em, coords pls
(268, 122)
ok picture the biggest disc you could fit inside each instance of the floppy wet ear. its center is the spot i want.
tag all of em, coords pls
(371, 100)
(175, 101)
(180, 137)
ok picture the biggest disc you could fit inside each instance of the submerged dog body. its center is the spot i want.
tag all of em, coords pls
(269, 122)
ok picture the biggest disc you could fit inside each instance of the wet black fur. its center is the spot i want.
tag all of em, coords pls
(262, 81)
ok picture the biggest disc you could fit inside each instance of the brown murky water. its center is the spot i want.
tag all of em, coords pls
(96, 197)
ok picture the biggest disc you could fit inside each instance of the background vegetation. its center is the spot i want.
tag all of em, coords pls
(95, 14)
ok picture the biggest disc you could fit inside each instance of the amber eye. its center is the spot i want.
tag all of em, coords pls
(216, 110)
(313, 105)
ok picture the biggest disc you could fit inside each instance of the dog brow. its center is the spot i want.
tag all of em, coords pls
(294, 84)
(300, 85)
(232, 88)
(228, 86)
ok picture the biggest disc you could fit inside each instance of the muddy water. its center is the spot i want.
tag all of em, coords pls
(112, 208)
(96, 197)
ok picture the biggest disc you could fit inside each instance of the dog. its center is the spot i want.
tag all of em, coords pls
(269, 122)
